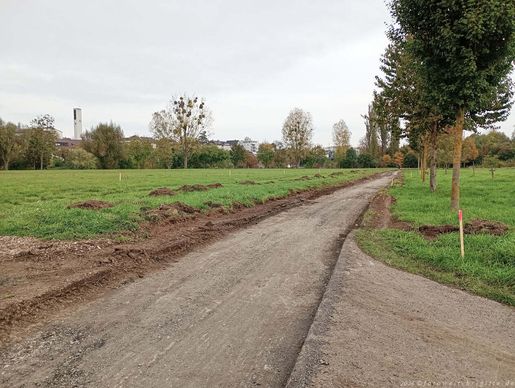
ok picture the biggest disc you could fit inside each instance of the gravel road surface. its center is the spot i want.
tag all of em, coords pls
(380, 327)
(234, 313)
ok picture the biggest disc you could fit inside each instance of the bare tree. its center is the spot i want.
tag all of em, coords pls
(183, 120)
(297, 132)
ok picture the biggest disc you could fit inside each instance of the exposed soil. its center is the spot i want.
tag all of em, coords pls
(40, 277)
(191, 188)
(247, 183)
(215, 185)
(92, 204)
(382, 218)
(162, 191)
(303, 178)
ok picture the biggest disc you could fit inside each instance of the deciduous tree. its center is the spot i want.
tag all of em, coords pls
(185, 120)
(9, 144)
(105, 141)
(297, 132)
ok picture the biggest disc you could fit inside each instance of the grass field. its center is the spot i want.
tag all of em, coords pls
(34, 203)
(488, 268)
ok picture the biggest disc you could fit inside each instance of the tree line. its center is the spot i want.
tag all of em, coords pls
(446, 70)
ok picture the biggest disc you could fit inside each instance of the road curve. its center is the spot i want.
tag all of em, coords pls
(234, 313)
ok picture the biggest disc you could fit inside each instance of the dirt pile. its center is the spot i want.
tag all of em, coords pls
(247, 183)
(162, 191)
(192, 188)
(171, 213)
(304, 178)
(91, 204)
(473, 227)
(215, 185)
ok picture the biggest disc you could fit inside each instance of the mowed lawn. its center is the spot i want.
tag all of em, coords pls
(35, 203)
(488, 268)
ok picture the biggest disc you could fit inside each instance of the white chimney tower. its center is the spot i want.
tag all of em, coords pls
(77, 123)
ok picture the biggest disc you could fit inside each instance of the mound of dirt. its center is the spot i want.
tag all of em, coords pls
(473, 227)
(303, 178)
(247, 183)
(215, 185)
(191, 188)
(318, 176)
(432, 231)
(162, 191)
(336, 173)
(483, 226)
(91, 204)
(174, 212)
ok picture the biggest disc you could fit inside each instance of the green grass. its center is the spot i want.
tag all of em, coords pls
(34, 203)
(488, 268)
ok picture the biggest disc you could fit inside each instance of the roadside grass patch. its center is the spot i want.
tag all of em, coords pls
(488, 268)
(35, 203)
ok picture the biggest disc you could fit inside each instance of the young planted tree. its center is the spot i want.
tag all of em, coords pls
(297, 133)
(466, 50)
(105, 141)
(185, 120)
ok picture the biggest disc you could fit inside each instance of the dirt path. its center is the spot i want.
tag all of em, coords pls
(381, 327)
(40, 278)
(233, 313)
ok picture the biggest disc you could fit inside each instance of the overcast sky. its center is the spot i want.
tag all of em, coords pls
(253, 61)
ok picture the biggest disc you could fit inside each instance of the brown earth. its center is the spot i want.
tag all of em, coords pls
(162, 191)
(40, 278)
(247, 183)
(92, 204)
(191, 188)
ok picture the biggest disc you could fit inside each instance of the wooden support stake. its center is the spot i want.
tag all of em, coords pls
(120, 177)
(462, 244)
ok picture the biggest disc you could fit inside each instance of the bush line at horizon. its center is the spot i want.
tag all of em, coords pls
(34, 203)
(488, 268)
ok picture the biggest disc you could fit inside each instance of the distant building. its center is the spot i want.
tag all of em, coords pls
(249, 145)
(330, 152)
(77, 123)
(66, 142)
(224, 144)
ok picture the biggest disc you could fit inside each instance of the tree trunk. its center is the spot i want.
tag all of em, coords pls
(456, 159)
(41, 162)
(424, 160)
(432, 166)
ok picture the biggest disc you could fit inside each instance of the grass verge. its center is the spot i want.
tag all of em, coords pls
(488, 268)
